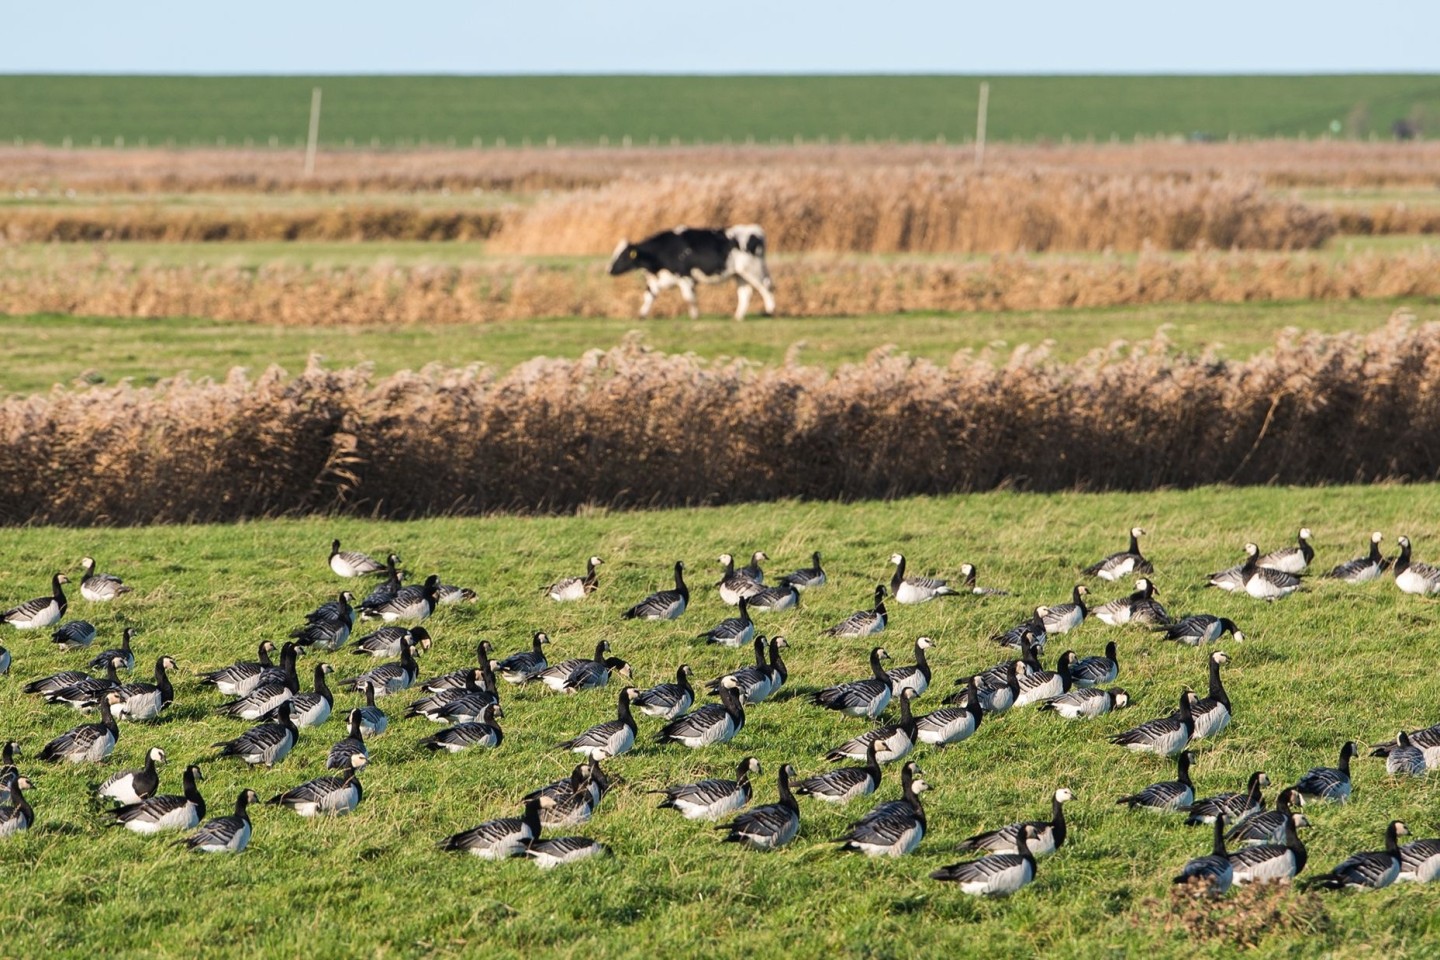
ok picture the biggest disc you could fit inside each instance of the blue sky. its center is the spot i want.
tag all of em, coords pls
(778, 36)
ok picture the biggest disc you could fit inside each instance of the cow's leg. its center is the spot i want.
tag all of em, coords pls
(687, 290)
(651, 289)
(758, 277)
(743, 293)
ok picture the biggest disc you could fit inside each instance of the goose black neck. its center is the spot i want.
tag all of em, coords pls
(163, 684)
(55, 586)
(730, 700)
(1392, 840)
(1254, 794)
(321, 687)
(532, 816)
(921, 662)
(107, 717)
(192, 791)
(777, 663)
(1078, 598)
(787, 799)
(1134, 544)
(536, 646)
(680, 587)
(972, 702)
(487, 676)
(907, 718)
(242, 804)
(265, 660)
(355, 732)
(872, 762)
(407, 659)
(110, 673)
(1375, 557)
(369, 694)
(1217, 846)
(815, 558)
(876, 669)
(682, 679)
(1296, 845)
(1217, 689)
(1183, 769)
(1057, 820)
(622, 712)
(125, 639)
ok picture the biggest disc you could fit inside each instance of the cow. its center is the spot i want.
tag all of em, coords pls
(683, 256)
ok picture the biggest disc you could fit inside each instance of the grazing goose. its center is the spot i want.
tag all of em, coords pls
(411, 603)
(133, 786)
(1086, 703)
(916, 676)
(1047, 836)
(240, 678)
(522, 666)
(911, 785)
(556, 675)
(576, 588)
(710, 724)
(1371, 870)
(1404, 758)
(996, 697)
(891, 742)
(372, 719)
(385, 591)
(1291, 559)
(435, 706)
(332, 795)
(608, 739)
(328, 632)
(352, 745)
(948, 725)
(1230, 579)
(123, 651)
(1166, 736)
(167, 811)
(863, 623)
(1263, 583)
(860, 698)
(770, 826)
(892, 834)
(1041, 685)
(146, 701)
(1428, 740)
(502, 838)
(579, 781)
(1362, 569)
(40, 612)
(99, 587)
(84, 694)
(1095, 671)
(481, 732)
(313, 709)
(1166, 796)
(807, 577)
(845, 783)
(386, 641)
(1139, 607)
(266, 744)
(1234, 807)
(594, 674)
(74, 635)
(752, 570)
(225, 834)
(349, 563)
(1267, 826)
(968, 571)
(1214, 871)
(997, 875)
(465, 677)
(1330, 783)
(91, 742)
(732, 631)
(736, 585)
(338, 609)
(389, 678)
(712, 798)
(1419, 861)
(664, 604)
(1212, 714)
(56, 682)
(557, 851)
(1031, 632)
(1410, 576)
(668, 700)
(916, 589)
(1273, 862)
(579, 804)
(17, 815)
(270, 694)
(1118, 566)
(1064, 617)
(1200, 628)
(757, 682)
(448, 593)
(782, 597)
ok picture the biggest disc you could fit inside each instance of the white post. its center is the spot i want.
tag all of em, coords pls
(980, 124)
(314, 142)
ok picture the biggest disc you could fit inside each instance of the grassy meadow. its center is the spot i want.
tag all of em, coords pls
(1326, 665)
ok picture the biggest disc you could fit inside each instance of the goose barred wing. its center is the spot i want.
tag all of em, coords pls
(1263, 828)
(220, 833)
(768, 826)
(665, 605)
(1374, 870)
(995, 869)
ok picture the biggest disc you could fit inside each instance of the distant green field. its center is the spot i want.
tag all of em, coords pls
(412, 111)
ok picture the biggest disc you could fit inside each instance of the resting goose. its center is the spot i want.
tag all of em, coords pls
(435, 707)
(1096, 671)
(1419, 861)
(1047, 836)
(90, 742)
(1031, 632)
(17, 815)
(783, 597)
(349, 563)
(386, 641)
(1291, 559)
(166, 811)
(75, 635)
(668, 700)
(1267, 826)
(807, 577)
(1118, 566)
(891, 742)
(997, 875)
(712, 798)
(576, 588)
(1139, 607)
(664, 604)
(1214, 871)
(860, 698)
(911, 786)
(770, 826)
(448, 593)
(84, 694)
(353, 744)
(758, 682)
(481, 732)
(1427, 740)
(1330, 783)
(40, 612)
(385, 591)
(735, 585)
(1065, 617)
(752, 569)
(557, 851)
(579, 803)
(1263, 583)
(916, 676)
(1166, 736)
(1234, 807)
(1372, 870)
(1086, 703)
(463, 679)
(389, 678)
(712, 723)
(595, 674)
(523, 666)
(1362, 569)
(1212, 713)
(556, 675)
(126, 655)
(1168, 795)
(733, 631)
(133, 786)
(1230, 579)
(1410, 576)
(99, 587)
(1271, 862)
(225, 834)
(266, 744)
(313, 709)
(331, 795)
(1041, 685)
(863, 623)
(579, 781)
(1404, 758)
(892, 835)
(846, 783)
(240, 678)
(328, 632)
(501, 838)
(940, 728)
(968, 571)
(146, 701)
(268, 695)
(411, 603)
(916, 589)
(56, 682)
(372, 719)
(608, 739)
(1201, 628)
(995, 697)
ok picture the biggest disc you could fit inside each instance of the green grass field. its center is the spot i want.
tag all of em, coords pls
(410, 111)
(1329, 664)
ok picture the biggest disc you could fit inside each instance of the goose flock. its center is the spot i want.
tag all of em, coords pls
(1249, 842)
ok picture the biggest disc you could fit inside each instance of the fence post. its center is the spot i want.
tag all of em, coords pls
(980, 118)
(313, 143)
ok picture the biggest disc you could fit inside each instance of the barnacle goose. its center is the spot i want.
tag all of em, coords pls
(556, 675)
(17, 815)
(664, 604)
(1095, 671)
(1214, 871)
(1419, 861)
(712, 723)
(712, 798)
(349, 563)
(385, 591)
(1085, 703)
(501, 838)
(4, 661)
(1064, 617)
(579, 781)
(56, 682)
(447, 593)
(313, 709)
(1139, 607)
(1167, 795)
(270, 694)
(997, 875)
(577, 805)
(1362, 569)
(372, 719)
(1267, 826)
(1428, 740)
(411, 603)
(1273, 862)
(860, 698)
(99, 587)
(1200, 628)
(1330, 783)
(736, 585)
(1118, 566)
(891, 742)
(387, 641)
(91, 742)
(594, 674)
(576, 588)
(1291, 559)
(1371, 870)
(389, 678)
(732, 631)
(845, 783)
(240, 678)
(807, 578)
(752, 569)
(522, 666)
(328, 632)
(968, 571)
(166, 811)
(996, 697)
(608, 739)
(74, 635)
(770, 826)
(225, 834)
(1263, 583)
(1410, 576)
(1030, 632)
(1404, 758)
(911, 785)
(1166, 736)
(146, 701)
(1047, 836)
(1212, 713)
(435, 706)
(668, 700)
(464, 677)
(781, 597)
(83, 694)
(352, 744)
(915, 676)
(757, 682)
(893, 834)
(123, 652)
(40, 612)
(266, 744)
(133, 786)
(332, 795)
(916, 589)
(1234, 807)
(1041, 685)
(948, 725)
(549, 854)
(482, 732)
(863, 623)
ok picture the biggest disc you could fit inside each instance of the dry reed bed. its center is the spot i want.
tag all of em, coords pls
(806, 286)
(630, 427)
(179, 225)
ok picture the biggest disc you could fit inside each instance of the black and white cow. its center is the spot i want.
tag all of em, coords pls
(683, 256)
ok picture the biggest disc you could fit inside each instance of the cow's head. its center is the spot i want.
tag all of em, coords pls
(625, 258)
